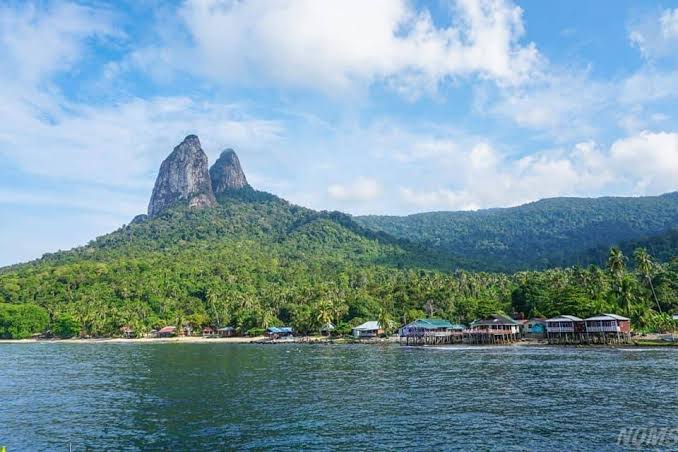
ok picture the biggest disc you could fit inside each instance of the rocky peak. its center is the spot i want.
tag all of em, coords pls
(227, 174)
(183, 177)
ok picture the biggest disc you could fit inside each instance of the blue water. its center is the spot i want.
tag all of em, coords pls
(288, 397)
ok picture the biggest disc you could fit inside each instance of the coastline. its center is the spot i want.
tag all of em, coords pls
(143, 340)
(263, 340)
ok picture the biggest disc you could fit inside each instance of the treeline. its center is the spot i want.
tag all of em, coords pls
(250, 287)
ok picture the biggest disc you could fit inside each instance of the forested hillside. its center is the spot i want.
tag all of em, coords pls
(213, 251)
(257, 261)
(663, 247)
(548, 233)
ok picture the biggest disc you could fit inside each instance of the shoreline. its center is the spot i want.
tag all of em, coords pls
(263, 340)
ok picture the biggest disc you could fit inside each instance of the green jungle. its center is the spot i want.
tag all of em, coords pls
(257, 261)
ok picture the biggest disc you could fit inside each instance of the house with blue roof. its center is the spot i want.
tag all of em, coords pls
(278, 332)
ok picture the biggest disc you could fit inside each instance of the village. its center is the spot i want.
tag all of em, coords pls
(496, 329)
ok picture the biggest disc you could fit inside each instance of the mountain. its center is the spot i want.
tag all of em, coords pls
(227, 174)
(183, 177)
(547, 233)
(215, 251)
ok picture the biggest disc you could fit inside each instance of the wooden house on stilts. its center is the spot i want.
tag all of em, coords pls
(608, 329)
(430, 332)
(565, 329)
(495, 329)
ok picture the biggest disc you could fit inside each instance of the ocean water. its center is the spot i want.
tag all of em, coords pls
(213, 396)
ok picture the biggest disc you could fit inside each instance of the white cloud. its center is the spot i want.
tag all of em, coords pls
(37, 42)
(100, 158)
(669, 23)
(649, 159)
(360, 190)
(341, 45)
(561, 102)
(646, 163)
(121, 145)
(655, 35)
(571, 105)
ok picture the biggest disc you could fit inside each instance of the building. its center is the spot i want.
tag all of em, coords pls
(167, 331)
(227, 331)
(327, 329)
(430, 332)
(276, 332)
(608, 328)
(208, 331)
(536, 328)
(367, 330)
(494, 329)
(565, 329)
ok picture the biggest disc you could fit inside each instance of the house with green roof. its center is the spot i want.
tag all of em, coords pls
(430, 332)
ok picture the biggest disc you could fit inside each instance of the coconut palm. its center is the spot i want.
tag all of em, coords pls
(324, 312)
(626, 295)
(385, 321)
(616, 263)
(645, 267)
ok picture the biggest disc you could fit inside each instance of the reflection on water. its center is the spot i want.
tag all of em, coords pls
(222, 396)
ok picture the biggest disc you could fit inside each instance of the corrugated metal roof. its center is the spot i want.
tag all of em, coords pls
(496, 319)
(368, 326)
(434, 324)
(607, 317)
(167, 329)
(278, 330)
(565, 318)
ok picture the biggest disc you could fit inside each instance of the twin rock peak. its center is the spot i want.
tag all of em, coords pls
(184, 177)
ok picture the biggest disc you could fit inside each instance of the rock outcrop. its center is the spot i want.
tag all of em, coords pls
(227, 174)
(183, 177)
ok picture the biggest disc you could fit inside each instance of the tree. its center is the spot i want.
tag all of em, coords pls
(65, 327)
(324, 313)
(645, 267)
(616, 263)
(386, 321)
(627, 295)
(19, 321)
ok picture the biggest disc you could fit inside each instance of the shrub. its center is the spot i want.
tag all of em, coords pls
(66, 326)
(20, 321)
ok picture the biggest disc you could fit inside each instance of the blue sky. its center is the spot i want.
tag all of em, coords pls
(386, 106)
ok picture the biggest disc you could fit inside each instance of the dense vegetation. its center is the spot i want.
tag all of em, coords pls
(663, 247)
(258, 261)
(548, 233)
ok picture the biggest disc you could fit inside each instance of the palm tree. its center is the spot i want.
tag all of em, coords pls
(645, 267)
(616, 263)
(626, 295)
(385, 321)
(324, 312)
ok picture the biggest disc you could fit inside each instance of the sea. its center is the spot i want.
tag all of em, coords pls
(217, 396)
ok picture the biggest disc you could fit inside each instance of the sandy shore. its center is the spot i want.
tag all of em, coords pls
(198, 340)
(649, 340)
(145, 340)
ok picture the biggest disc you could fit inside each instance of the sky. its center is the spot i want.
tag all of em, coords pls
(380, 106)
